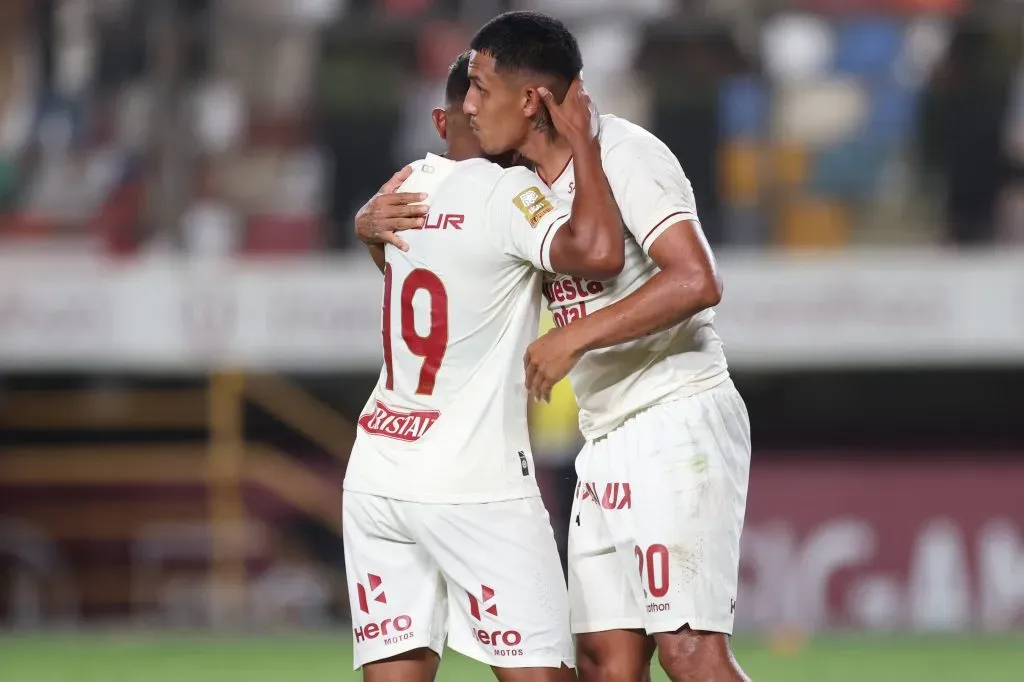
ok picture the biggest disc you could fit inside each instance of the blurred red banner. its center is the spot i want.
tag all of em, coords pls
(849, 542)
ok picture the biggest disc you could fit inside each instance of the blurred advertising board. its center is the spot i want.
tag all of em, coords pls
(867, 542)
(833, 541)
(890, 308)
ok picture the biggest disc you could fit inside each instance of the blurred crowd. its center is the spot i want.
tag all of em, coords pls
(223, 127)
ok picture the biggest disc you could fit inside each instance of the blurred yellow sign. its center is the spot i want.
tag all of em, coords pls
(555, 425)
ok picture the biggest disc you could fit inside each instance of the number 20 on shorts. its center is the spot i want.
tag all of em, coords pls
(431, 347)
(653, 565)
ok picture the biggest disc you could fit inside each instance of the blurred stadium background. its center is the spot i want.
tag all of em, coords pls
(188, 330)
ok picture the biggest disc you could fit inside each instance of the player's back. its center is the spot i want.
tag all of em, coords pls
(447, 419)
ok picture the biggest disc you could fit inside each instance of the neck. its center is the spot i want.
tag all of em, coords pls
(458, 151)
(550, 156)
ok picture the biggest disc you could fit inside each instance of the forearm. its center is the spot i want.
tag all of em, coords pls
(663, 302)
(377, 254)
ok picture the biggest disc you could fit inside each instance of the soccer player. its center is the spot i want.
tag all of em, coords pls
(444, 529)
(662, 480)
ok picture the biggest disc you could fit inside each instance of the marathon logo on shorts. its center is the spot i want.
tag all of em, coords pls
(391, 423)
(616, 495)
(390, 630)
(503, 643)
(533, 205)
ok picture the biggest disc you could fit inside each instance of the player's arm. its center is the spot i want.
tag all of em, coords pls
(589, 243)
(377, 254)
(657, 203)
(687, 283)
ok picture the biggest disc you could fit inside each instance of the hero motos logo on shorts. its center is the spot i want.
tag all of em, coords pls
(486, 598)
(374, 589)
(502, 642)
(393, 630)
(616, 495)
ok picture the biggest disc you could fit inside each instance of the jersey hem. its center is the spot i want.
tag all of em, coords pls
(702, 387)
(474, 498)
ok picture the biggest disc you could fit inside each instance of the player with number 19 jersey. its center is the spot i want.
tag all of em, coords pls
(446, 537)
(447, 419)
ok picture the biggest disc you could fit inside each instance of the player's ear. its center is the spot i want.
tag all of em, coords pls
(532, 103)
(440, 122)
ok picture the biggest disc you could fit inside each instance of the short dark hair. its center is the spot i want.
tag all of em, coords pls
(458, 81)
(529, 41)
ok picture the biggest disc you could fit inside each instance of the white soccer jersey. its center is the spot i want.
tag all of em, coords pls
(447, 419)
(611, 384)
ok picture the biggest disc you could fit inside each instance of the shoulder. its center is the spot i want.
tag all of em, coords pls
(520, 175)
(514, 181)
(415, 178)
(625, 142)
(431, 172)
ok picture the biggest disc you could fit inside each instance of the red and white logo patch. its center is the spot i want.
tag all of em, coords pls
(372, 591)
(502, 642)
(485, 602)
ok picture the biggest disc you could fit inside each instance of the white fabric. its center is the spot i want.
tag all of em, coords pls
(487, 576)
(654, 535)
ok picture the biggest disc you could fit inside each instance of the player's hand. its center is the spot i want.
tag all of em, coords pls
(548, 360)
(389, 212)
(576, 118)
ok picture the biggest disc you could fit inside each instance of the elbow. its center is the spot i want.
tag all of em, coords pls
(606, 267)
(589, 259)
(693, 295)
(606, 263)
(710, 291)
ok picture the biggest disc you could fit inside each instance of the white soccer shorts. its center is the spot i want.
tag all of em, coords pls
(654, 535)
(486, 575)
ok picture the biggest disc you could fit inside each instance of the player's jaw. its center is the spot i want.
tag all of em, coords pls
(454, 128)
(496, 137)
(494, 106)
(505, 157)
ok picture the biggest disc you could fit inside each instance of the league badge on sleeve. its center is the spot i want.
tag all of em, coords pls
(533, 205)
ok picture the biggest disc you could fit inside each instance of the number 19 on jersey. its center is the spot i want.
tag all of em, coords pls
(432, 346)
